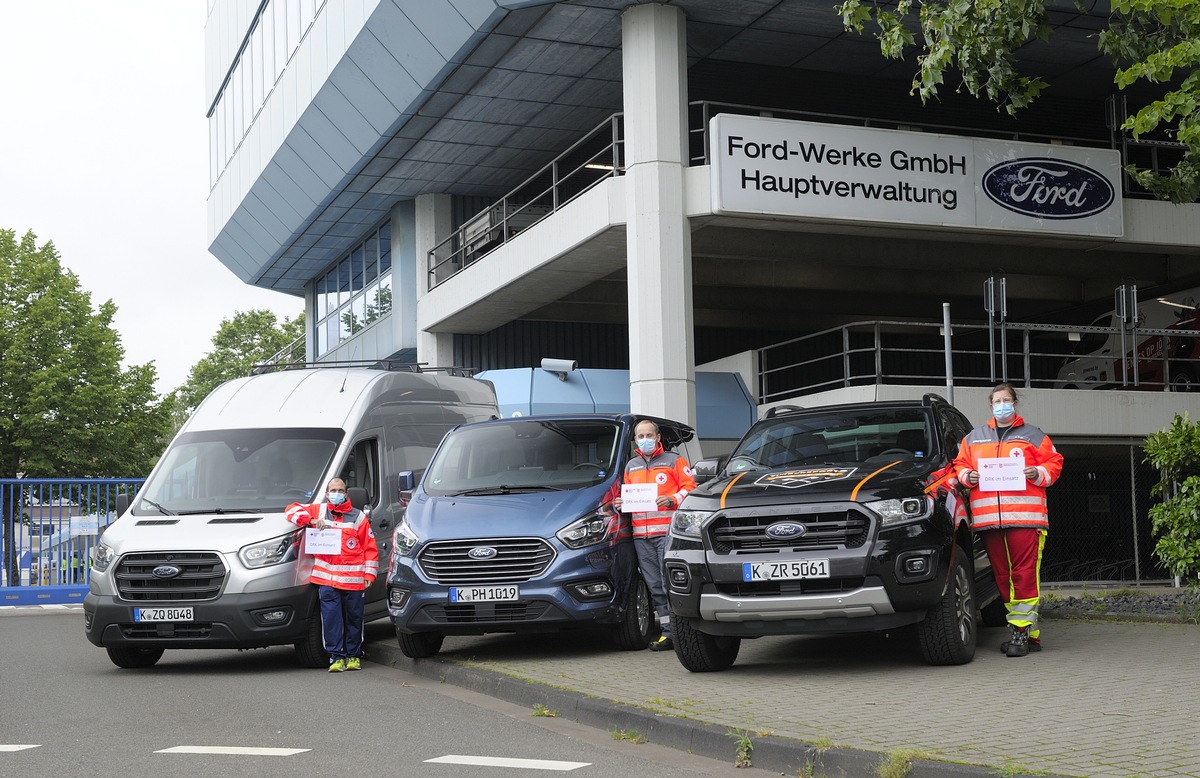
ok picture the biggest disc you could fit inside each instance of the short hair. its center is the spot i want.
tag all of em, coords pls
(646, 421)
(340, 480)
(1000, 388)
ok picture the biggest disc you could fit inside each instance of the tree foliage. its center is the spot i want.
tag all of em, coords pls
(1153, 40)
(1175, 453)
(67, 407)
(249, 338)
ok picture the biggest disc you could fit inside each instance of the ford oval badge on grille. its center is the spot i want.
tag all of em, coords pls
(786, 529)
(1048, 188)
(482, 552)
(166, 571)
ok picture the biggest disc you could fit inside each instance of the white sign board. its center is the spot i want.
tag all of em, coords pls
(639, 498)
(85, 525)
(831, 171)
(1001, 474)
(322, 541)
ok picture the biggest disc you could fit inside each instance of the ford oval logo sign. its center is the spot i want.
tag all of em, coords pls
(784, 530)
(166, 571)
(482, 552)
(1048, 188)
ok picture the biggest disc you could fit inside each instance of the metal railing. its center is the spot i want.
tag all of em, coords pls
(49, 526)
(1033, 355)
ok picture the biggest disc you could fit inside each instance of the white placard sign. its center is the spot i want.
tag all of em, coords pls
(639, 498)
(1001, 474)
(323, 541)
(85, 525)
(831, 171)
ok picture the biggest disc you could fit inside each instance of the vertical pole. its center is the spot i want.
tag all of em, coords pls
(1133, 504)
(949, 353)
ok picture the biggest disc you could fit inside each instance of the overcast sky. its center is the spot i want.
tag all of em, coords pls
(104, 151)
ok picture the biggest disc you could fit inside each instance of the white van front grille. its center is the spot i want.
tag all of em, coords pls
(182, 576)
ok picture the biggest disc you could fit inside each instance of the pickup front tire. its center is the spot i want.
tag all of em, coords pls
(947, 635)
(700, 652)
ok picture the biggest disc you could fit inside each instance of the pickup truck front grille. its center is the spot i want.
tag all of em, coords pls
(833, 529)
(200, 577)
(515, 560)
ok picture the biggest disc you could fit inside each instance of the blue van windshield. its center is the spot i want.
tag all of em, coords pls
(524, 454)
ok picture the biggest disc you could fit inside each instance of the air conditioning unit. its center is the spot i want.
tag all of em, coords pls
(485, 227)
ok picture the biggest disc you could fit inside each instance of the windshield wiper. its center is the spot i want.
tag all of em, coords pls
(217, 511)
(505, 489)
(159, 508)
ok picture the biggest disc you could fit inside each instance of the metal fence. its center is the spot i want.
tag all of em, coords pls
(49, 526)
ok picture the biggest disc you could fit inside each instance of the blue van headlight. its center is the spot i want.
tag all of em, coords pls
(594, 528)
(404, 540)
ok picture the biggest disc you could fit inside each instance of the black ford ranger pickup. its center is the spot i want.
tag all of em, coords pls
(841, 518)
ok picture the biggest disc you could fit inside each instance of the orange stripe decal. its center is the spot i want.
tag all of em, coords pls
(727, 488)
(854, 494)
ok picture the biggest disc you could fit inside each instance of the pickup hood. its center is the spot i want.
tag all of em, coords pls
(227, 532)
(834, 482)
(539, 514)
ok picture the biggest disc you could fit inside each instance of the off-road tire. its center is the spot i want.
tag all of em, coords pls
(419, 645)
(633, 633)
(134, 658)
(948, 634)
(700, 652)
(310, 650)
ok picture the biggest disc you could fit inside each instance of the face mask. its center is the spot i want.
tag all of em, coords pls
(337, 498)
(647, 445)
(1003, 411)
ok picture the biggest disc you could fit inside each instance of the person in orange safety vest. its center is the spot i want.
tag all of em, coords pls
(1011, 519)
(672, 475)
(341, 578)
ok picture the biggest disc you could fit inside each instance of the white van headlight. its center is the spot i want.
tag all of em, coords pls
(404, 540)
(103, 556)
(907, 509)
(687, 523)
(591, 529)
(275, 551)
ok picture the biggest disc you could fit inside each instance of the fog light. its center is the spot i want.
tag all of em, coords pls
(397, 597)
(594, 590)
(916, 565)
(272, 617)
(679, 577)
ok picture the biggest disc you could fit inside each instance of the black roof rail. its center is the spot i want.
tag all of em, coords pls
(781, 409)
(387, 365)
(929, 398)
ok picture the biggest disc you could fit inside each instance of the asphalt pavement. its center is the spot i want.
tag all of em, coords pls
(1103, 699)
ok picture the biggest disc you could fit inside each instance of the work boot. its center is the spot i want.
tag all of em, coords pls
(1018, 644)
(1034, 646)
(664, 643)
(337, 665)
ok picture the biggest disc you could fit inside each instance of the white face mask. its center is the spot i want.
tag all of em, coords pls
(647, 445)
(1003, 411)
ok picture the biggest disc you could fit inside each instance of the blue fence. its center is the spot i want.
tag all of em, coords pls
(48, 528)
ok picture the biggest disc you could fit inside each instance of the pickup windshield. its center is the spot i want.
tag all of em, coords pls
(252, 470)
(523, 454)
(838, 436)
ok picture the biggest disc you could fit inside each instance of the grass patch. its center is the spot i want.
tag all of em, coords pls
(541, 710)
(628, 735)
(897, 764)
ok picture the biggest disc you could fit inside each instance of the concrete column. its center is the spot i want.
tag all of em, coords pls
(431, 225)
(404, 275)
(661, 346)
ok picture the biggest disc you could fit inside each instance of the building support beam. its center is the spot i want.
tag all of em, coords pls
(432, 225)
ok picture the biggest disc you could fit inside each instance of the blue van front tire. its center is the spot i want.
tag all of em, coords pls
(419, 645)
(633, 633)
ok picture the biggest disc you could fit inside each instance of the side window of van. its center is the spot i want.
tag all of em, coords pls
(362, 469)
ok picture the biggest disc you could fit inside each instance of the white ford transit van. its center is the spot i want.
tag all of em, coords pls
(203, 557)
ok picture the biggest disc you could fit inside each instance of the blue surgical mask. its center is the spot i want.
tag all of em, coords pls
(647, 446)
(1003, 411)
(337, 498)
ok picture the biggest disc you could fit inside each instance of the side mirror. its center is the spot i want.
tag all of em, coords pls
(122, 504)
(706, 470)
(406, 481)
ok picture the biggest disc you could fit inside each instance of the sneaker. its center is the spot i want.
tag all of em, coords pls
(664, 643)
(337, 665)
(1018, 645)
(1034, 646)
(353, 663)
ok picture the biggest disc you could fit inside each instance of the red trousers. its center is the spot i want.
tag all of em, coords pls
(1016, 557)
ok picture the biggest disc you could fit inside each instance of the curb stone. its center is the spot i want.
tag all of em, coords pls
(777, 754)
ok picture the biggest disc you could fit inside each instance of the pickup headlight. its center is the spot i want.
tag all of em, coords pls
(594, 528)
(275, 551)
(103, 556)
(906, 509)
(687, 523)
(404, 540)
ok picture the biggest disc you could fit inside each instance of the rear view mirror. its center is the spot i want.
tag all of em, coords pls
(706, 470)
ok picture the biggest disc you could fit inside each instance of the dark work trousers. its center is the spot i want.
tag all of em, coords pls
(650, 553)
(341, 622)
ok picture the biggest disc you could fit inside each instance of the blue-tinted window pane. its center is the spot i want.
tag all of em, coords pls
(385, 294)
(346, 322)
(343, 279)
(371, 247)
(322, 338)
(356, 270)
(385, 248)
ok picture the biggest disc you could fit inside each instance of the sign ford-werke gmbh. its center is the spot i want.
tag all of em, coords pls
(830, 171)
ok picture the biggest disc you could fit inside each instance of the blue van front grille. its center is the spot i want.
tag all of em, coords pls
(515, 560)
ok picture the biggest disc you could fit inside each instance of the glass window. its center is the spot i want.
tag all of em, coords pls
(256, 60)
(234, 95)
(266, 23)
(281, 49)
(293, 26)
(384, 298)
(247, 88)
(356, 270)
(347, 325)
(371, 247)
(322, 337)
(344, 281)
(385, 248)
(214, 151)
(362, 469)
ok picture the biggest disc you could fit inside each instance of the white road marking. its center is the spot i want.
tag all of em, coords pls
(237, 750)
(18, 747)
(499, 761)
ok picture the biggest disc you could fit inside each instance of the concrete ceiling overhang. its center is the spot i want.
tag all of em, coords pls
(472, 96)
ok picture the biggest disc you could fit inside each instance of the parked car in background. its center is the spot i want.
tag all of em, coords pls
(512, 529)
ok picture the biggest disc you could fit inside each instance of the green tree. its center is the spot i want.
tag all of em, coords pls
(1154, 40)
(67, 407)
(1175, 453)
(250, 338)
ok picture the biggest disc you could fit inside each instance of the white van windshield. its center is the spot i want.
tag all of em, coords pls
(524, 455)
(244, 470)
